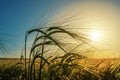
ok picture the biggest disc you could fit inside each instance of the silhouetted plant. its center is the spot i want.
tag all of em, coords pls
(46, 38)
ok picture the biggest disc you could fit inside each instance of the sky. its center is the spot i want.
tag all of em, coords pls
(18, 16)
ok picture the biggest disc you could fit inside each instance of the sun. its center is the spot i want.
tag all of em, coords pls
(95, 35)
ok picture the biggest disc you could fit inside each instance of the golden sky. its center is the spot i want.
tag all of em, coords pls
(102, 16)
(104, 20)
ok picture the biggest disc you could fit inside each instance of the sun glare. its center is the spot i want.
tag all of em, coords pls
(95, 35)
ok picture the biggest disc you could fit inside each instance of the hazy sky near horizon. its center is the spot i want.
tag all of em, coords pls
(18, 16)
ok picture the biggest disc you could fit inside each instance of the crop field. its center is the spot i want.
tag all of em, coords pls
(52, 58)
(60, 40)
(8, 61)
(57, 53)
(91, 67)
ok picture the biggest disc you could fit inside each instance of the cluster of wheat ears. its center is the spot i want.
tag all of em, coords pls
(52, 57)
(65, 66)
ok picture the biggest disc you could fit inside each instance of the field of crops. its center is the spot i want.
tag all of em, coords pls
(92, 69)
(57, 53)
